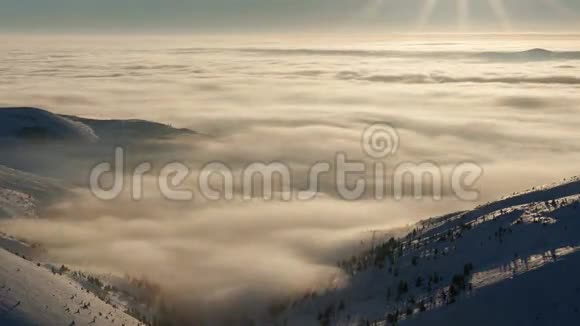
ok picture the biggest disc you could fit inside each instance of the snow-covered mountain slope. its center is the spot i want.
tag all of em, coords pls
(542, 296)
(31, 294)
(511, 261)
(67, 147)
(36, 124)
(23, 194)
(36, 186)
(24, 123)
(14, 203)
(131, 130)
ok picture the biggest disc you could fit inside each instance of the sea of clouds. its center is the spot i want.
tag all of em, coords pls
(296, 100)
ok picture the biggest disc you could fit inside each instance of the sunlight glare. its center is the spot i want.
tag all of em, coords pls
(499, 10)
(462, 14)
(426, 13)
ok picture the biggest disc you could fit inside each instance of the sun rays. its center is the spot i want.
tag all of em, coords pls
(501, 14)
(426, 13)
(463, 15)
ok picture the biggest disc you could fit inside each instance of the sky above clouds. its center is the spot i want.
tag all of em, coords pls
(266, 15)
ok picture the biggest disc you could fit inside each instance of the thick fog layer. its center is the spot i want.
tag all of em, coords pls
(509, 105)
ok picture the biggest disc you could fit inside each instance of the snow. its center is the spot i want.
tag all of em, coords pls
(131, 130)
(32, 295)
(23, 194)
(524, 249)
(544, 296)
(32, 123)
(525, 255)
(14, 203)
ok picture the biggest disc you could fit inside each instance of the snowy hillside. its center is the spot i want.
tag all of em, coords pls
(512, 261)
(67, 147)
(32, 123)
(23, 194)
(31, 294)
(40, 154)
(14, 203)
(37, 124)
(39, 187)
(517, 257)
(135, 130)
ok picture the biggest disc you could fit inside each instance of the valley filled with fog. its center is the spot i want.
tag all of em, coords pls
(508, 103)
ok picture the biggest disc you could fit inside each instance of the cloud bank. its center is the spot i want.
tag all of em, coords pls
(450, 101)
